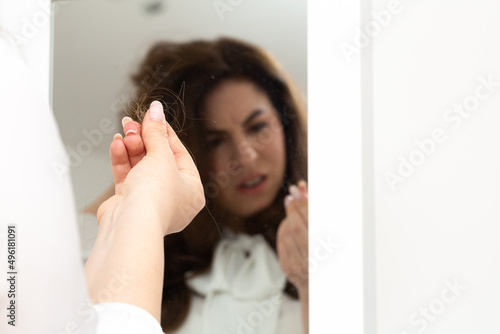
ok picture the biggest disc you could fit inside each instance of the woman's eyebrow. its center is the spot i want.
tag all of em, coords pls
(252, 116)
(209, 132)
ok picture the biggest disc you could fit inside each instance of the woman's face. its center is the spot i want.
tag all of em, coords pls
(246, 146)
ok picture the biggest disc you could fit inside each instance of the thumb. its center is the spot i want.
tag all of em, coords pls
(154, 132)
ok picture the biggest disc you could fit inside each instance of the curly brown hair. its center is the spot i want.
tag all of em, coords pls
(181, 75)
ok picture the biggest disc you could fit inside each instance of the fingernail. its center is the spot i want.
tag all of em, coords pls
(288, 200)
(126, 120)
(130, 131)
(156, 111)
(295, 192)
(302, 184)
(118, 135)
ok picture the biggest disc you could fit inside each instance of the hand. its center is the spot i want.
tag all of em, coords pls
(292, 238)
(157, 191)
(153, 178)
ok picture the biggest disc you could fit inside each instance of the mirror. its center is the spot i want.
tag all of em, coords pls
(98, 45)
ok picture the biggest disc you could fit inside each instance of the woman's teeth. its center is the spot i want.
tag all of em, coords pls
(253, 182)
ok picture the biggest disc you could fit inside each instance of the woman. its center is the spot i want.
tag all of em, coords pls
(241, 119)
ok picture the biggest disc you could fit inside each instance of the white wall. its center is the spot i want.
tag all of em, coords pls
(441, 222)
(27, 23)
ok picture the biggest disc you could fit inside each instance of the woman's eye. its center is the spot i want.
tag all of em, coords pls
(257, 127)
(214, 142)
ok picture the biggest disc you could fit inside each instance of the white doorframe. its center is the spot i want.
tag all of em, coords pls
(339, 284)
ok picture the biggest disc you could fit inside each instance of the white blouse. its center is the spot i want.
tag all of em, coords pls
(242, 292)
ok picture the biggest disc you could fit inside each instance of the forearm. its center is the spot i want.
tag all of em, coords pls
(127, 262)
(304, 305)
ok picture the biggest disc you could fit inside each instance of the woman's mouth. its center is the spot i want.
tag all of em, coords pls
(254, 185)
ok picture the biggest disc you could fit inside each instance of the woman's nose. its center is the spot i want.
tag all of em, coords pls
(246, 153)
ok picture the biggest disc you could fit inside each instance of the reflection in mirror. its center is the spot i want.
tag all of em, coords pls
(225, 80)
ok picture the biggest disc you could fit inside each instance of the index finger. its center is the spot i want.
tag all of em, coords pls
(183, 159)
(299, 207)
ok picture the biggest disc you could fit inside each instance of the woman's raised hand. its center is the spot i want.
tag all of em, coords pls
(292, 238)
(154, 174)
(292, 245)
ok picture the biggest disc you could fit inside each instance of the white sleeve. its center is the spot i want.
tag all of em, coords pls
(124, 319)
(48, 292)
